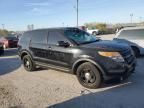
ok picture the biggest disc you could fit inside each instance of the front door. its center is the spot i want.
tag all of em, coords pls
(58, 55)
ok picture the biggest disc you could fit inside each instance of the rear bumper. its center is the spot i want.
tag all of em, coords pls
(14, 45)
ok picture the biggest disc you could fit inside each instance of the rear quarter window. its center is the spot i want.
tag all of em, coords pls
(26, 37)
(132, 34)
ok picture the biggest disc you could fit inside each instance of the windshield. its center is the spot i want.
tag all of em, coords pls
(11, 38)
(79, 36)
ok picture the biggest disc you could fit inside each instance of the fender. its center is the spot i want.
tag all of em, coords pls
(88, 60)
(27, 52)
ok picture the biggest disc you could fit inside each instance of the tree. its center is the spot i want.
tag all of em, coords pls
(100, 26)
(3, 32)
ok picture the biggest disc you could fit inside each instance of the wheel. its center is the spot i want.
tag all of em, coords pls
(136, 51)
(89, 76)
(94, 33)
(28, 63)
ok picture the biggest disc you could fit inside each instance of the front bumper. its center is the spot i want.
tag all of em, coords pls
(122, 68)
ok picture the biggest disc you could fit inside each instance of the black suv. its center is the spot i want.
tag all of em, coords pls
(75, 51)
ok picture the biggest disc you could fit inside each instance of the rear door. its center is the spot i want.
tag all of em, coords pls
(57, 55)
(38, 45)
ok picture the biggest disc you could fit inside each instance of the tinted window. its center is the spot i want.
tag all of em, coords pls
(39, 36)
(54, 37)
(132, 34)
(79, 36)
(11, 38)
(25, 37)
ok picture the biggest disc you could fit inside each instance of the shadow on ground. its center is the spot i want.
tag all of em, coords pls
(127, 95)
(10, 52)
(9, 61)
(8, 65)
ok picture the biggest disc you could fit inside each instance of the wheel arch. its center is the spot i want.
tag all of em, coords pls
(81, 61)
(94, 32)
(136, 47)
(24, 53)
(133, 46)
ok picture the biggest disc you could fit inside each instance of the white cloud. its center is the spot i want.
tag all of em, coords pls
(36, 10)
(39, 11)
(38, 4)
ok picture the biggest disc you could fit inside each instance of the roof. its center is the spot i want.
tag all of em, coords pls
(56, 28)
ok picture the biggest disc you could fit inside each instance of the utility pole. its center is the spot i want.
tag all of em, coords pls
(131, 15)
(3, 26)
(77, 13)
(32, 27)
(140, 19)
(63, 24)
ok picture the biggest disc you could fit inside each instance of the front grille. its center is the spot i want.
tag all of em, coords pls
(128, 56)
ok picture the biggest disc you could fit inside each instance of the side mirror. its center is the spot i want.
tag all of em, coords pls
(63, 44)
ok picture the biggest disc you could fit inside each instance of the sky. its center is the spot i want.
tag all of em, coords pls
(17, 14)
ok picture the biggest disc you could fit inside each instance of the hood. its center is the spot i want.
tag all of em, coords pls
(107, 45)
(124, 41)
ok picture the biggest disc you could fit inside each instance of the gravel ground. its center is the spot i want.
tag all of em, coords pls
(47, 88)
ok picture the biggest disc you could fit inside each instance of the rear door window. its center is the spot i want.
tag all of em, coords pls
(39, 37)
(132, 34)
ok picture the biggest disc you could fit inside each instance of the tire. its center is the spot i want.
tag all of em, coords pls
(136, 51)
(28, 63)
(89, 76)
(94, 33)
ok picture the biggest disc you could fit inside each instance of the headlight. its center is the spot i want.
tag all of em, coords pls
(116, 56)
